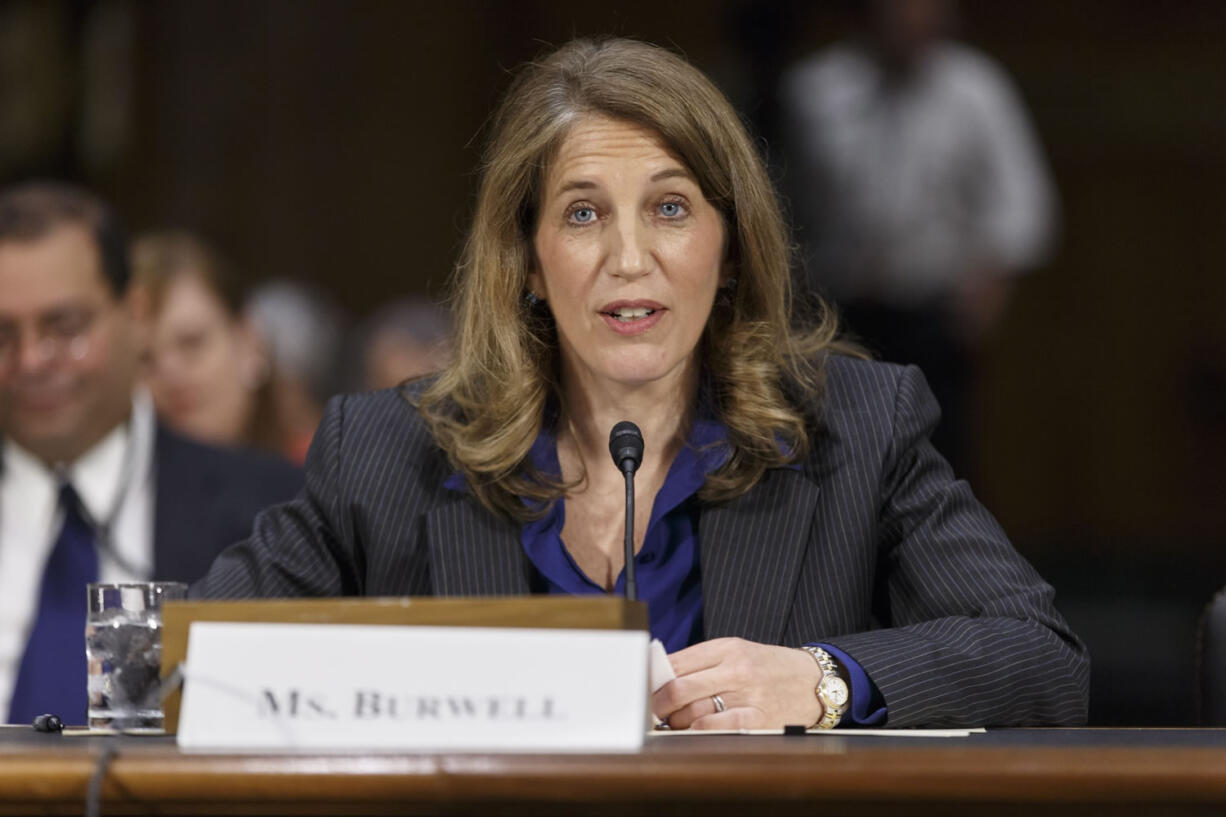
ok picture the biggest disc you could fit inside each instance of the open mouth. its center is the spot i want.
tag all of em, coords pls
(628, 314)
(631, 318)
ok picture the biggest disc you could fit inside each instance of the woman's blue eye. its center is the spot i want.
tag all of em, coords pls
(670, 209)
(583, 215)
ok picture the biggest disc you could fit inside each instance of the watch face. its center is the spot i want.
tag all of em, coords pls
(836, 690)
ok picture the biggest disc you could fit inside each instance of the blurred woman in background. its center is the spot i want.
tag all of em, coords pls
(206, 368)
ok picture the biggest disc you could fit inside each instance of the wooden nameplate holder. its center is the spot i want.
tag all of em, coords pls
(536, 612)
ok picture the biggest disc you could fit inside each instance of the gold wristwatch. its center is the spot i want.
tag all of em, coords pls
(832, 691)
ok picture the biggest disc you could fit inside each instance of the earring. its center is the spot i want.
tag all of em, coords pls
(727, 293)
(532, 298)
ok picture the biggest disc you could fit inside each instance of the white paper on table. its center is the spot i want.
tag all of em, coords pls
(838, 733)
(659, 672)
(658, 666)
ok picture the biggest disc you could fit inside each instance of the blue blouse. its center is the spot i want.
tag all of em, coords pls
(667, 568)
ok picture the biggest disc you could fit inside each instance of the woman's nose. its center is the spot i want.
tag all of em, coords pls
(630, 256)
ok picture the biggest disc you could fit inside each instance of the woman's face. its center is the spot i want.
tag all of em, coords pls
(203, 364)
(629, 255)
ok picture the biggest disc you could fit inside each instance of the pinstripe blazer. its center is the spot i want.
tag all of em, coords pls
(871, 546)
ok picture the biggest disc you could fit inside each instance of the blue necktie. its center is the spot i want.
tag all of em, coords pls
(52, 675)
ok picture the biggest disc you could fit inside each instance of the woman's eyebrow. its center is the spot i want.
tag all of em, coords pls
(660, 175)
(576, 184)
(672, 173)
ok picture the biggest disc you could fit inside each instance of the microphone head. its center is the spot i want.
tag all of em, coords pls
(626, 446)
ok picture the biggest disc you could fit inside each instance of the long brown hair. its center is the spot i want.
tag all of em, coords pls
(763, 372)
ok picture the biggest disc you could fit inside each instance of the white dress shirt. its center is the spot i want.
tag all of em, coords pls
(115, 482)
(905, 186)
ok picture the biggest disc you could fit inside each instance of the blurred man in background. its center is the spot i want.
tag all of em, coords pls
(91, 488)
(920, 193)
(404, 339)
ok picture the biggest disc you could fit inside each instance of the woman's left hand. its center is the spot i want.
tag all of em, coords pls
(763, 687)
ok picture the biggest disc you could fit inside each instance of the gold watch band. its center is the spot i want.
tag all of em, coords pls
(832, 692)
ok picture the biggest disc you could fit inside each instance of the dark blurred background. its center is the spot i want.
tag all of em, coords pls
(335, 142)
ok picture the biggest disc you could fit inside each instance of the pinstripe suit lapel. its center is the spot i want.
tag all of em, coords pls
(474, 553)
(751, 552)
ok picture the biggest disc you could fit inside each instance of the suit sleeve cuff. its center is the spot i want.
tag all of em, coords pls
(867, 704)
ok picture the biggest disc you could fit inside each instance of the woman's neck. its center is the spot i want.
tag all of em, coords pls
(661, 409)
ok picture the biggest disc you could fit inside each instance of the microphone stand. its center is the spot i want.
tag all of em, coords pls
(632, 588)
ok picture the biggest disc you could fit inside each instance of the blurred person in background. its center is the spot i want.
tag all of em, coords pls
(303, 333)
(404, 339)
(92, 488)
(206, 367)
(919, 191)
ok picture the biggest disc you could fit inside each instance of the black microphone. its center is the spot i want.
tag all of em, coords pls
(626, 446)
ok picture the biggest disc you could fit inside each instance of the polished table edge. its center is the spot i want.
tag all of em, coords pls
(154, 773)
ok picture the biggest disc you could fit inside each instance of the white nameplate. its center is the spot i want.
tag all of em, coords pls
(339, 686)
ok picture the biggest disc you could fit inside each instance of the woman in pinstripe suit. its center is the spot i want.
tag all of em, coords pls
(628, 260)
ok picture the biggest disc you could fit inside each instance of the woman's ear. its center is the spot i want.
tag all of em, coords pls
(727, 274)
(536, 285)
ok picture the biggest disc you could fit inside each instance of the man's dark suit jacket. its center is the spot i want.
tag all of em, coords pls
(871, 546)
(206, 498)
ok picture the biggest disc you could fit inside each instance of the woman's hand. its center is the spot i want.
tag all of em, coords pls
(763, 687)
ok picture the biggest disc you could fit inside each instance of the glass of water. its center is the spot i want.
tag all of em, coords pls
(123, 647)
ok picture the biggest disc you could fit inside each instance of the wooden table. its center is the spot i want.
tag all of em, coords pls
(1032, 772)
